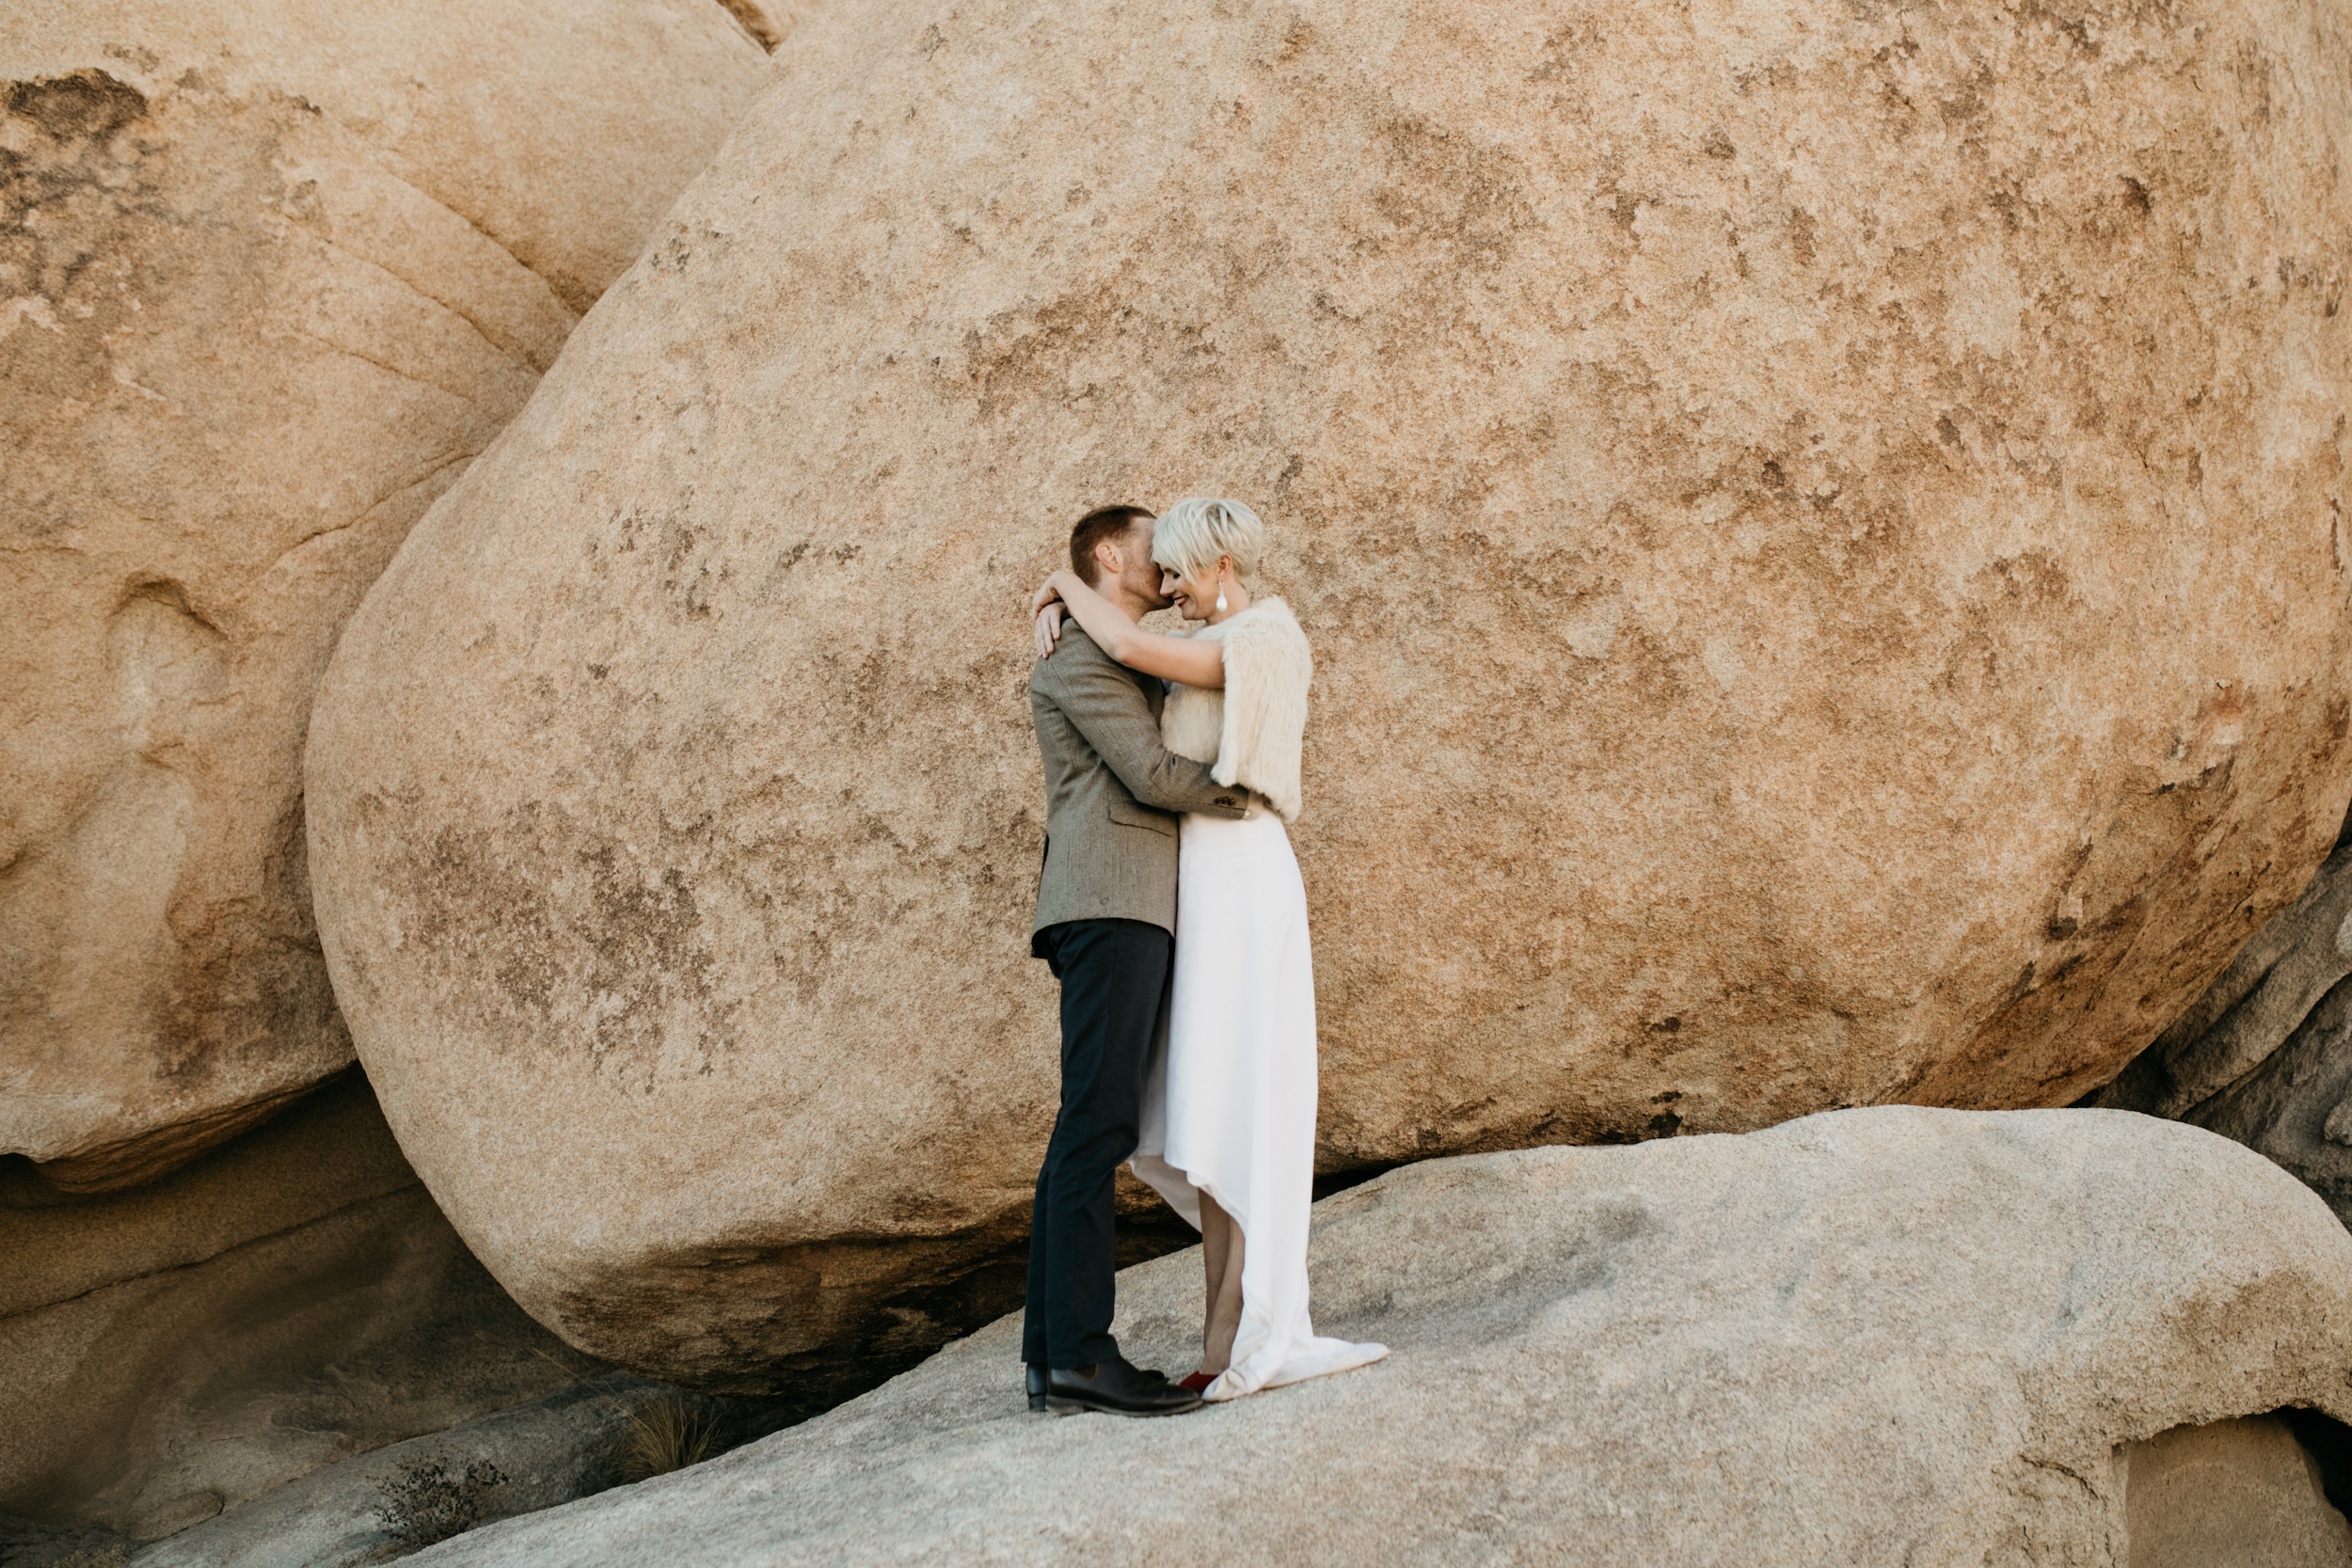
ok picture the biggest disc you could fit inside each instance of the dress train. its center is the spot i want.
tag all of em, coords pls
(1230, 1106)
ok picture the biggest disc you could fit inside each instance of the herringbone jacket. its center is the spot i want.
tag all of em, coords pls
(1110, 790)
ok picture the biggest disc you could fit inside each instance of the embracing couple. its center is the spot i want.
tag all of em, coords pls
(1169, 907)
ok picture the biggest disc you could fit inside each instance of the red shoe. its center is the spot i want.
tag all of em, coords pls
(1197, 1382)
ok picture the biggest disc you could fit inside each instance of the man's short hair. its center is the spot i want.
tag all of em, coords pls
(1103, 522)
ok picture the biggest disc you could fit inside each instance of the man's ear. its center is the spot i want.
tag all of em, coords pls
(1106, 557)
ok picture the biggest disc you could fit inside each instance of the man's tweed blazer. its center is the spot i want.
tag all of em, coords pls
(1111, 785)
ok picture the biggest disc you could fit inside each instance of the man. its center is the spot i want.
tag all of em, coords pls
(1106, 922)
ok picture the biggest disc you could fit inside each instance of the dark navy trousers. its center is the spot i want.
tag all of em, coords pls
(1115, 976)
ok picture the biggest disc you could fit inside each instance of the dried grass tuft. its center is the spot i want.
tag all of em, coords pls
(665, 1437)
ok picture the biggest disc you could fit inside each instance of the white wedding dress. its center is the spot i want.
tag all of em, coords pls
(1230, 1106)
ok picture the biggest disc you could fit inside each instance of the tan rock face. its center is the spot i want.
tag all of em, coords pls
(1820, 529)
(270, 276)
(1891, 1335)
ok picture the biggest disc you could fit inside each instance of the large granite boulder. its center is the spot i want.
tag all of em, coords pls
(1880, 1335)
(270, 274)
(1818, 525)
(289, 1300)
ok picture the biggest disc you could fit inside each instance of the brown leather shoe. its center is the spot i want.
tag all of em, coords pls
(1116, 1388)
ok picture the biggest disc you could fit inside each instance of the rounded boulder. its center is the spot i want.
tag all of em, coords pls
(1821, 528)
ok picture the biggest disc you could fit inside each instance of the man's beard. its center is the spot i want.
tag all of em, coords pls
(1148, 589)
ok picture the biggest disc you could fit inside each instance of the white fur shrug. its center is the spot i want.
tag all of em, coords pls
(1251, 732)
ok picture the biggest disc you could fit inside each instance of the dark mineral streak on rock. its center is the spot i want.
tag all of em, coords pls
(2265, 1056)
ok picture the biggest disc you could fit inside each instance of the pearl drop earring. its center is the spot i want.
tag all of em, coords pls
(1220, 596)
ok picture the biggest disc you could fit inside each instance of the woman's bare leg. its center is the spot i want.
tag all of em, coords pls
(1220, 1254)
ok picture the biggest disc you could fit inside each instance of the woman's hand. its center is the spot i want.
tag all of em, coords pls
(1046, 607)
(1046, 625)
(1176, 659)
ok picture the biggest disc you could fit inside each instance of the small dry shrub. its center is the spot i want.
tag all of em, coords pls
(667, 1435)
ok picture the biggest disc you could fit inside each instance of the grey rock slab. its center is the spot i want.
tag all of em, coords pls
(565, 1445)
(26, 1544)
(1880, 1336)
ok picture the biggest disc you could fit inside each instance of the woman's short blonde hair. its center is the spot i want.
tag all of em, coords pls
(1190, 536)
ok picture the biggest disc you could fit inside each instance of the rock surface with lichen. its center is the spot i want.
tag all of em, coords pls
(1821, 526)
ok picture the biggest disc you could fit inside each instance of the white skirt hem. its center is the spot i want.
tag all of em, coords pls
(1229, 1104)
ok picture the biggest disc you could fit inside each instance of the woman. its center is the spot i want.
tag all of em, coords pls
(1229, 1119)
